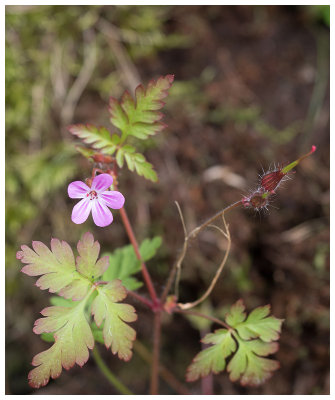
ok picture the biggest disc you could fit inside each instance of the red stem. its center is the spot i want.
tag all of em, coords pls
(145, 273)
(154, 385)
(140, 298)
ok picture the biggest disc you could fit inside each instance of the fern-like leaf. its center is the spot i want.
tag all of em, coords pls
(141, 117)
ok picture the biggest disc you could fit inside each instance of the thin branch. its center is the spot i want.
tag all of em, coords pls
(140, 298)
(192, 235)
(183, 252)
(133, 241)
(201, 315)
(113, 380)
(154, 385)
(164, 372)
(187, 306)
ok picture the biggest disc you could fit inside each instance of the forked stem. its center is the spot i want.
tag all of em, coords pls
(193, 234)
(187, 306)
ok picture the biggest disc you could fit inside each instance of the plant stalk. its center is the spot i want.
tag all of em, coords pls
(140, 298)
(113, 380)
(145, 273)
(154, 384)
(164, 372)
(195, 232)
(199, 314)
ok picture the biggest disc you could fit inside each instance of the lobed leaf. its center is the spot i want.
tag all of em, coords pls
(258, 324)
(248, 366)
(123, 263)
(212, 359)
(97, 137)
(87, 263)
(58, 269)
(248, 340)
(116, 333)
(73, 338)
(140, 117)
(135, 161)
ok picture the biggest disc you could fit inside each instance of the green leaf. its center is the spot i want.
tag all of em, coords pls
(123, 262)
(258, 325)
(135, 161)
(149, 247)
(120, 157)
(248, 366)
(212, 359)
(248, 362)
(116, 333)
(58, 269)
(87, 263)
(87, 153)
(97, 137)
(73, 338)
(141, 118)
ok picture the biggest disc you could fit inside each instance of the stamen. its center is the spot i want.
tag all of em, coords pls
(93, 195)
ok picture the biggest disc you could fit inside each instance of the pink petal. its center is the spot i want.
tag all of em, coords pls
(77, 190)
(113, 199)
(101, 182)
(81, 211)
(101, 214)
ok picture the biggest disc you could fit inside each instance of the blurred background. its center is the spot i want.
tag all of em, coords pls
(251, 89)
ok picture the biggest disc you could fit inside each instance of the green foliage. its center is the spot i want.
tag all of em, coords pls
(66, 322)
(98, 138)
(249, 339)
(73, 337)
(60, 273)
(123, 263)
(105, 307)
(139, 118)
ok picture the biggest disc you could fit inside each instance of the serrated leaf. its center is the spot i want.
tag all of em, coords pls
(248, 366)
(248, 363)
(136, 161)
(87, 263)
(116, 333)
(97, 137)
(58, 269)
(120, 157)
(146, 169)
(149, 247)
(141, 118)
(212, 359)
(73, 338)
(123, 263)
(258, 324)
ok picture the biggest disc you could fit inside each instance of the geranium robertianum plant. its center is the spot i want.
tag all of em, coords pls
(90, 290)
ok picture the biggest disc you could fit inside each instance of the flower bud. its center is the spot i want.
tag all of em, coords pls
(271, 180)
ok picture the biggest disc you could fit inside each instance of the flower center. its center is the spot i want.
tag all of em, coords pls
(92, 195)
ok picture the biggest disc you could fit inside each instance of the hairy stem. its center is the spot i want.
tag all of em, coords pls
(154, 385)
(113, 380)
(193, 234)
(145, 273)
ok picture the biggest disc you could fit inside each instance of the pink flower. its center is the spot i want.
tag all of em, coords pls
(96, 199)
